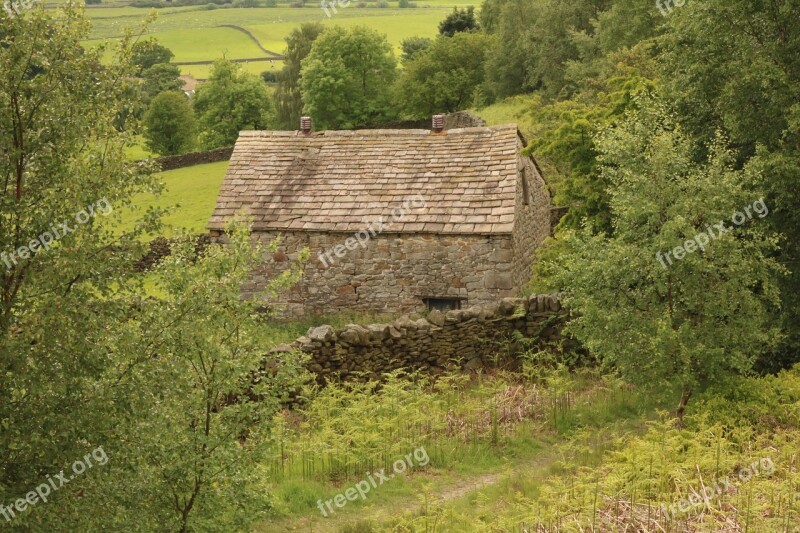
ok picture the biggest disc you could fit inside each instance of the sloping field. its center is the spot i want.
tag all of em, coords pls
(197, 34)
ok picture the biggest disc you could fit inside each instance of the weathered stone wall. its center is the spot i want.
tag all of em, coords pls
(462, 119)
(171, 162)
(532, 220)
(391, 274)
(479, 337)
(161, 247)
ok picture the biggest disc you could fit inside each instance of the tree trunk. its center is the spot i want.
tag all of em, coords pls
(685, 395)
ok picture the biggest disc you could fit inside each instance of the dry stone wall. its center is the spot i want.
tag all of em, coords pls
(392, 274)
(532, 223)
(482, 336)
(172, 162)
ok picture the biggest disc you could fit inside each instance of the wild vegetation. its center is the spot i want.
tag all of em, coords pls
(679, 409)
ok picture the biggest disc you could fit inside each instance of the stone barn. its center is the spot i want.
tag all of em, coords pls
(396, 220)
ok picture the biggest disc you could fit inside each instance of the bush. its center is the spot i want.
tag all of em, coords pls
(245, 3)
(297, 3)
(211, 7)
(382, 4)
(272, 3)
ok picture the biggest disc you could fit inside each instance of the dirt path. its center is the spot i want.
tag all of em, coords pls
(446, 492)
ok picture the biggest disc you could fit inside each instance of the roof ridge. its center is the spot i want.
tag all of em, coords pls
(379, 132)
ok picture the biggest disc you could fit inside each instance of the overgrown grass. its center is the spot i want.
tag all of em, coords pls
(619, 482)
(470, 427)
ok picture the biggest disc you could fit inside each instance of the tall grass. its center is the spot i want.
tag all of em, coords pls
(626, 482)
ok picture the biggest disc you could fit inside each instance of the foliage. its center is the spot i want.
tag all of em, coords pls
(413, 47)
(229, 102)
(746, 81)
(347, 78)
(60, 153)
(459, 20)
(615, 478)
(444, 78)
(490, 14)
(205, 341)
(536, 41)
(269, 76)
(693, 323)
(288, 98)
(149, 52)
(169, 124)
(160, 78)
(563, 138)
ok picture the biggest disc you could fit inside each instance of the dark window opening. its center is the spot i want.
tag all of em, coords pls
(442, 304)
(525, 192)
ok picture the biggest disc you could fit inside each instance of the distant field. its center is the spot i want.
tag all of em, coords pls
(193, 33)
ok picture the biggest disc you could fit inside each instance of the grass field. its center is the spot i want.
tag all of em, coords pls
(191, 193)
(193, 33)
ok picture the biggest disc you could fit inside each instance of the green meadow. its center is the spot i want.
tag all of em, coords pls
(195, 33)
(189, 193)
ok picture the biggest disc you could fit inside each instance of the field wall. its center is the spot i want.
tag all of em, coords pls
(483, 336)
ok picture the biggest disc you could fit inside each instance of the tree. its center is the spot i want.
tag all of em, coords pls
(288, 98)
(166, 387)
(159, 78)
(413, 47)
(536, 42)
(209, 345)
(746, 81)
(490, 14)
(563, 136)
(444, 78)
(229, 102)
(169, 124)
(661, 321)
(459, 20)
(149, 52)
(65, 277)
(347, 78)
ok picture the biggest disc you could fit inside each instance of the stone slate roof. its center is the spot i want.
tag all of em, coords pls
(344, 180)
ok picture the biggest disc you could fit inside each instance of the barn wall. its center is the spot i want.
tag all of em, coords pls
(391, 273)
(532, 221)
